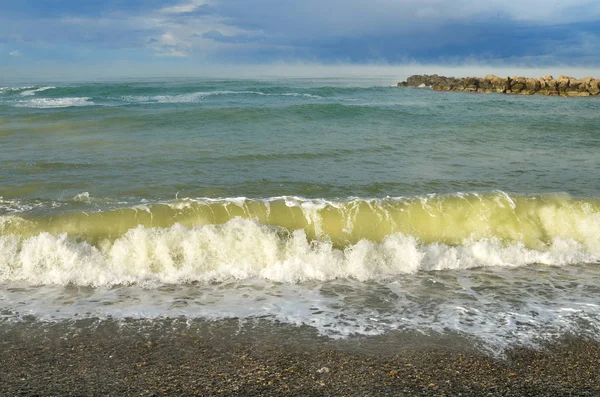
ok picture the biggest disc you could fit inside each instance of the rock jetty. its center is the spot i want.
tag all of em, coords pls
(546, 85)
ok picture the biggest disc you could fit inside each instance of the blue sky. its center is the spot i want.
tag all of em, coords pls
(161, 34)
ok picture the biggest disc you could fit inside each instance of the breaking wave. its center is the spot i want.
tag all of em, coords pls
(51, 103)
(33, 92)
(196, 96)
(293, 240)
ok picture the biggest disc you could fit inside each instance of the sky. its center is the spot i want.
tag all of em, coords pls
(125, 37)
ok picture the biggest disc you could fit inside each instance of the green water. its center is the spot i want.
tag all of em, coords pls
(309, 138)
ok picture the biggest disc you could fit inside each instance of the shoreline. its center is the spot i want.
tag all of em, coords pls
(190, 357)
(547, 85)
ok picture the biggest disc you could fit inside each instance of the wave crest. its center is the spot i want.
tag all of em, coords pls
(51, 103)
(243, 249)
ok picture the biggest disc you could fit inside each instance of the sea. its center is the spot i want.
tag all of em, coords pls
(347, 206)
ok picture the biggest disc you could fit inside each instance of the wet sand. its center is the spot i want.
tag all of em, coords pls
(179, 358)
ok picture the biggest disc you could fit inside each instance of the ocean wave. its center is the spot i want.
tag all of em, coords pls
(50, 103)
(244, 249)
(18, 206)
(196, 96)
(449, 219)
(292, 239)
(13, 89)
(33, 92)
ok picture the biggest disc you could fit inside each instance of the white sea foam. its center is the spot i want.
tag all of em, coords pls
(490, 304)
(243, 249)
(12, 89)
(83, 197)
(50, 103)
(304, 95)
(33, 92)
(8, 206)
(197, 96)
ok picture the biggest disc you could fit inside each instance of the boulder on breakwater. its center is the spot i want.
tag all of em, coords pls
(546, 85)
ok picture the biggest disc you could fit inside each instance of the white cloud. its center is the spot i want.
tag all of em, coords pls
(167, 45)
(183, 8)
(168, 39)
(15, 53)
(180, 34)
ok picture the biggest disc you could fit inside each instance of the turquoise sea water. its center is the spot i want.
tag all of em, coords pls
(349, 205)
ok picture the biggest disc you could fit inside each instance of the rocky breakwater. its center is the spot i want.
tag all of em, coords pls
(547, 85)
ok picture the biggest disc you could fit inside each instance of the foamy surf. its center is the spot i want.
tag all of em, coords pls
(498, 307)
(13, 89)
(291, 239)
(33, 92)
(198, 96)
(51, 103)
(243, 249)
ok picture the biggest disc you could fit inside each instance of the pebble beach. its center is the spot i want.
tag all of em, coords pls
(178, 358)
